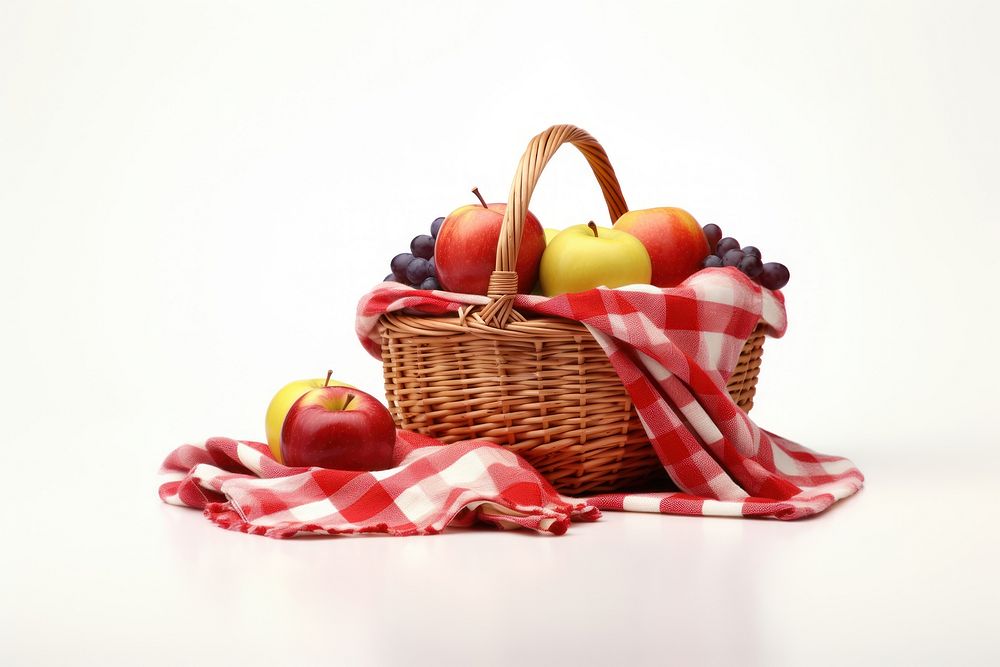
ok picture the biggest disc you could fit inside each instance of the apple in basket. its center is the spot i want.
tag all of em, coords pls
(338, 427)
(466, 250)
(674, 239)
(282, 402)
(586, 256)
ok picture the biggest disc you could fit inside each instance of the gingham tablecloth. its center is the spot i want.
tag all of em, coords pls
(674, 350)
(240, 486)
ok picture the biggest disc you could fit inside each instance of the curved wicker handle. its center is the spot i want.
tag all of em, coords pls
(503, 281)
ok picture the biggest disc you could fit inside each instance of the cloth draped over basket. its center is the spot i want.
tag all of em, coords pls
(674, 349)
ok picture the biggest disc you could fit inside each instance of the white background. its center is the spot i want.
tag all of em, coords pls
(194, 195)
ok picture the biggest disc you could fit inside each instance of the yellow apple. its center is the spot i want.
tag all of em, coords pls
(585, 256)
(550, 234)
(282, 403)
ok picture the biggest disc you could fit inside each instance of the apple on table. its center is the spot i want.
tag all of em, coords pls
(586, 256)
(282, 403)
(466, 250)
(338, 427)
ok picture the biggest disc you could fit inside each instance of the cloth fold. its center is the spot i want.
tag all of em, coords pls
(674, 350)
(240, 486)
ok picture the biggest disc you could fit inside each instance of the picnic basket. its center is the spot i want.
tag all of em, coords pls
(540, 386)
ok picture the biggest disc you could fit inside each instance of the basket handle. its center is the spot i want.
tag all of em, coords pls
(503, 280)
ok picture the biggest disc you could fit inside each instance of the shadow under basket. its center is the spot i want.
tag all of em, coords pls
(542, 387)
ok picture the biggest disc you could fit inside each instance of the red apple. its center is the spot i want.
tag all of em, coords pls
(338, 427)
(673, 238)
(466, 250)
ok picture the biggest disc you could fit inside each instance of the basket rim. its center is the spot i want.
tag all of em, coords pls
(464, 323)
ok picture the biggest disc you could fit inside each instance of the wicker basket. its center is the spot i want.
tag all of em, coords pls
(541, 386)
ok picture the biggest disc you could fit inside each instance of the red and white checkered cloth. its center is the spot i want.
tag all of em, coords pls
(240, 486)
(674, 350)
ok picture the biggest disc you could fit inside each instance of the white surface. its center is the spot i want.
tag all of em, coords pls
(193, 196)
(902, 573)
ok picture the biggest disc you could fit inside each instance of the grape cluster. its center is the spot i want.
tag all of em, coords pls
(416, 268)
(727, 252)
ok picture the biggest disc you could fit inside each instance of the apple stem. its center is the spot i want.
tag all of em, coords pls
(593, 227)
(350, 399)
(482, 201)
(328, 374)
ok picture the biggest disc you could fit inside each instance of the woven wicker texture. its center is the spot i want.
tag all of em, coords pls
(542, 387)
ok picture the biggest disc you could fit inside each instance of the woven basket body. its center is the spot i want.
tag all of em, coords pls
(542, 387)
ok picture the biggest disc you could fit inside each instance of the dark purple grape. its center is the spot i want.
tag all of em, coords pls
(430, 283)
(422, 246)
(733, 257)
(750, 265)
(432, 270)
(725, 245)
(416, 272)
(712, 260)
(399, 264)
(774, 275)
(391, 278)
(713, 234)
(436, 226)
(752, 250)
